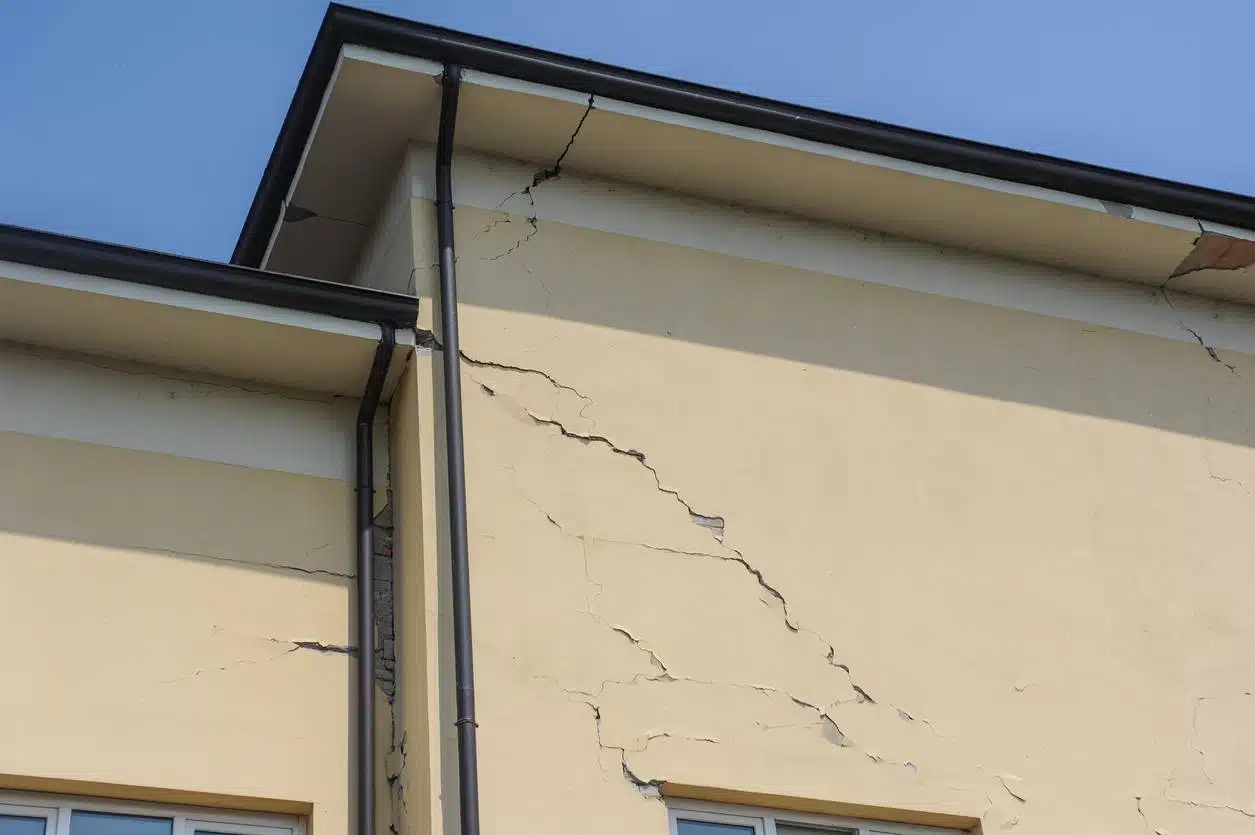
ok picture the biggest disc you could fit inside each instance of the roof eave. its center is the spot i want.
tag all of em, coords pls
(344, 25)
(227, 281)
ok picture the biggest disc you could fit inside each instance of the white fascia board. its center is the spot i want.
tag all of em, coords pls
(185, 300)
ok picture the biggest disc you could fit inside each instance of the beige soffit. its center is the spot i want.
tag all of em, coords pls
(188, 331)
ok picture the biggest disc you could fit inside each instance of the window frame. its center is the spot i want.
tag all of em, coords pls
(56, 810)
(21, 810)
(764, 820)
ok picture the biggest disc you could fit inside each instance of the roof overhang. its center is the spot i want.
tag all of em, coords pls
(371, 87)
(214, 319)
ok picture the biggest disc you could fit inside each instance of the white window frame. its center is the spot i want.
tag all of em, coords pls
(763, 821)
(56, 809)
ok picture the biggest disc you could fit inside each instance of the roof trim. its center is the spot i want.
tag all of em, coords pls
(344, 25)
(226, 281)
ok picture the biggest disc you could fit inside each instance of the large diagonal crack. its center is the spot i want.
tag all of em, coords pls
(829, 728)
(518, 369)
(702, 519)
(715, 525)
(542, 176)
(707, 521)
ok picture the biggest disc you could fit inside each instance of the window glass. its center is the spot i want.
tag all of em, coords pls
(708, 828)
(794, 829)
(101, 823)
(14, 825)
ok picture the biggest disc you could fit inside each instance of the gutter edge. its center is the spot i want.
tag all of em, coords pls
(228, 281)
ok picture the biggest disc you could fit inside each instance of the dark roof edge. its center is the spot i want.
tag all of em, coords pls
(225, 281)
(345, 25)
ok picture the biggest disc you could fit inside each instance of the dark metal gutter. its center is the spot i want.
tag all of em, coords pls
(226, 281)
(455, 460)
(344, 25)
(364, 452)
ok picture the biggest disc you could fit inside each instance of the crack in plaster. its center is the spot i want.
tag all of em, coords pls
(1003, 781)
(1142, 814)
(555, 170)
(518, 369)
(1194, 743)
(1220, 807)
(636, 642)
(531, 233)
(542, 176)
(292, 646)
(648, 788)
(1211, 352)
(326, 572)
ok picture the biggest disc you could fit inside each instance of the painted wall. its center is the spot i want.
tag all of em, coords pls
(176, 564)
(848, 533)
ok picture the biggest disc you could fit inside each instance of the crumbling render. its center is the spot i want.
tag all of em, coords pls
(1213, 251)
(542, 176)
(319, 646)
(385, 662)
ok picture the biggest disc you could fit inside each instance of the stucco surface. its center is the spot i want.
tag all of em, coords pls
(175, 624)
(745, 527)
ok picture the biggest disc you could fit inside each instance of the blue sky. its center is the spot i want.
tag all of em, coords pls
(148, 122)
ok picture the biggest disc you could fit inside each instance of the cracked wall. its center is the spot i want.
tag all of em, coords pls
(177, 628)
(744, 527)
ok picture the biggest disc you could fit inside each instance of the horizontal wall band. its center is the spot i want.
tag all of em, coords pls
(494, 184)
(152, 410)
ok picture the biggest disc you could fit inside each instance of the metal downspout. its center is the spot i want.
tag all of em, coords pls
(451, 355)
(365, 516)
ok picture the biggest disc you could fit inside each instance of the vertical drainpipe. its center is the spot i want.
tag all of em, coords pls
(365, 459)
(451, 356)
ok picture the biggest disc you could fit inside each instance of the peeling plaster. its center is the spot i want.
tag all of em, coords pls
(319, 646)
(1213, 251)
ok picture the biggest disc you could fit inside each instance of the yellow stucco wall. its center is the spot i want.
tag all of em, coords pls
(151, 607)
(960, 560)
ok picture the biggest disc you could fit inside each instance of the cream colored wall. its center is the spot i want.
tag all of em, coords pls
(747, 527)
(176, 627)
(386, 261)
